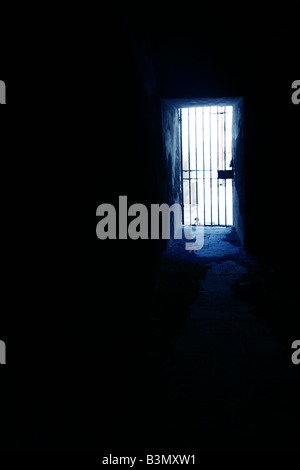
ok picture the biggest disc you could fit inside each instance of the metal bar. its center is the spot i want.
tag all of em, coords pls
(225, 162)
(218, 149)
(210, 172)
(203, 166)
(189, 166)
(196, 156)
(181, 158)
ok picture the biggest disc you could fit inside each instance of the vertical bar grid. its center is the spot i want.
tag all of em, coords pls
(214, 129)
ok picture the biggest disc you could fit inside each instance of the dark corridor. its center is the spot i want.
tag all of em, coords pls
(123, 344)
(226, 380)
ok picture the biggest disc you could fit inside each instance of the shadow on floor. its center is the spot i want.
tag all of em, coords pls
(220, 351)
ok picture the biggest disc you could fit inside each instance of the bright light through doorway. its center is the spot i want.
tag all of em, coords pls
(206, 143)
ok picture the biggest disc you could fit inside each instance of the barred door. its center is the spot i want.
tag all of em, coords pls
(206, 163)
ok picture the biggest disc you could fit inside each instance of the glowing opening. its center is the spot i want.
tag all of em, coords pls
(206, 143)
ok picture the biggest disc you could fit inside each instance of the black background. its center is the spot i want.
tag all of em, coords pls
(73, 136)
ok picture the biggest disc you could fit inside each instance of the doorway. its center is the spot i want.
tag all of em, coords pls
(206, 165)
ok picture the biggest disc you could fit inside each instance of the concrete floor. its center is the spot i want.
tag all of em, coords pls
(227, 381)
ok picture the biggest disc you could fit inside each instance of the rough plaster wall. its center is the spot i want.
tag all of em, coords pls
(170, 133)
(170, 130)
